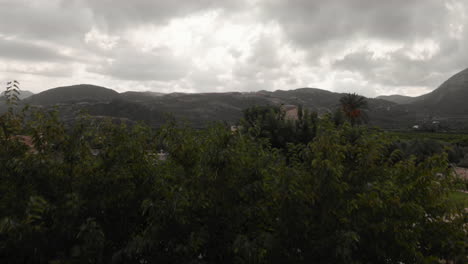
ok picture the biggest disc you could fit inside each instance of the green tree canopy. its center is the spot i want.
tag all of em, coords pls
(354, 108)
(98, 192)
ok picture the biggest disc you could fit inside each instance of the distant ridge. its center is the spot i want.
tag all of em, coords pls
(140, 96)
(399, 99)
(450, 98)
(74, 93)
(448, 102)
(22, 95)
(197, 108)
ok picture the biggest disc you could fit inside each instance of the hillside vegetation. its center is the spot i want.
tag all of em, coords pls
(399, 99)
(444, 107)
(311, 190)
(21, 95)
(75, 93)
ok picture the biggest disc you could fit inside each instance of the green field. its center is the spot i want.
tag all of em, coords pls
(459, 138)
(459, 198)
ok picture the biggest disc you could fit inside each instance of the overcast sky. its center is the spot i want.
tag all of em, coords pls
(371, 47)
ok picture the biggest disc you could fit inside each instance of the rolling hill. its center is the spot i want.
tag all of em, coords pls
(74, 93)
(449, 99)
(398, 99)
(199, 109)
(22, 95)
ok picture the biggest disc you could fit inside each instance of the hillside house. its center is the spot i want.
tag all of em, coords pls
(28, 141)
(291, 112)
(461, 172)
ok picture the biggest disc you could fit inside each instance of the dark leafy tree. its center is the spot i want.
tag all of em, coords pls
(98, 192)
(270, 123)
(354, 108)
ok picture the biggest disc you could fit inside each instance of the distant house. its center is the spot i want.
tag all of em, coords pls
(162, 155)
(95, 152)
(28, 141)
(461, 172)
(156, 157)
(291, 112)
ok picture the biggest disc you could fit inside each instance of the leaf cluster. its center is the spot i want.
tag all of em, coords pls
(282, 192)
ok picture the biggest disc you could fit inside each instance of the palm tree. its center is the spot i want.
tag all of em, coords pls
(354, 108)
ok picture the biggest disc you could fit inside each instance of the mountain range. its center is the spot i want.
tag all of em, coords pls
(399, 99)
(23, 94)
(445, 104)
(448, 99)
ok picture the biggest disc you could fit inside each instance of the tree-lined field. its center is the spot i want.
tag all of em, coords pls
(455, 138)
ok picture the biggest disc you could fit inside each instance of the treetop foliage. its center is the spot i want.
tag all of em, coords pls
(276, 191)
(353, 106)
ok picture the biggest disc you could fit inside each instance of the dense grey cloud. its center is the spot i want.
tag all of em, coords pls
(21, 50)
(62, 18)
(54, 71)
(43, 20)
(128, 64)
(114, 14)
(316, 22)
(350, 34)
(373, 47)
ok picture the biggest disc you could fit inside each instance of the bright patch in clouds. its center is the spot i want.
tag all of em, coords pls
(423, 50)
(101, 40)
(366, 46)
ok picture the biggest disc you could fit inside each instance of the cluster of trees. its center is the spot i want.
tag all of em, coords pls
(275, 191)
(271, 123)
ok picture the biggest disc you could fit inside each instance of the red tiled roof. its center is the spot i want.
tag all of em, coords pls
(27, 140)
